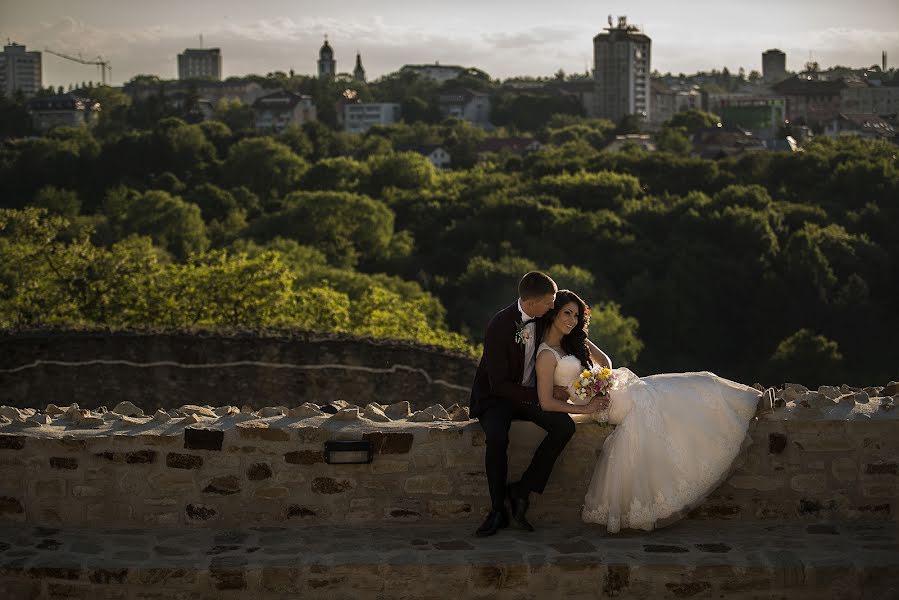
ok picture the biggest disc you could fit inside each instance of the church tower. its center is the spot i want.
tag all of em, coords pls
(359, 72)
(327, 66)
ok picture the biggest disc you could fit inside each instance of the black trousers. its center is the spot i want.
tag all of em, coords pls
(496, 421)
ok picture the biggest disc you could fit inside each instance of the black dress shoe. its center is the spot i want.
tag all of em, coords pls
(495, 521)
(519, 507)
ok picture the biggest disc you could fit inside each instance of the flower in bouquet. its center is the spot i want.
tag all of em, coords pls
(592, 382)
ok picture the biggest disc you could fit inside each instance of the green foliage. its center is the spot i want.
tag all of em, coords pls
(267, 168)
(615, 333)
(807, 357)
(152, 220)
(693, 120)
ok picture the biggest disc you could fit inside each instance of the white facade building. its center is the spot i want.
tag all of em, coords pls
(621, 58)
(20, 70)
(437, 72)
(200, 63)
(465, 104)
(276, 112)
(66, 110)
(358, 118)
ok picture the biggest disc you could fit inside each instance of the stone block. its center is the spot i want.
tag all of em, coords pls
(63, 463)
(11, 506)
(183, 461)
(881, 468)
(200, 512)
(297, 511)
(12, 442)
(271, 493)
(141, 457)
(754, 482)
(255, 430)
(259, 471)
(223, 486)
(329, 485)
(304, 457)
(203, 439)
(390, 442)
(398, 513)
(449, 508)
(810, 484)
(844, 470)
(428, 484)
(87, 491)
(385, 466)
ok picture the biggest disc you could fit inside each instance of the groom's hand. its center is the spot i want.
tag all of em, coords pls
(560, 392)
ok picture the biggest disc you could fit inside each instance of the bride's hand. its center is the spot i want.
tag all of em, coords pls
(560, 392)
(597, 403)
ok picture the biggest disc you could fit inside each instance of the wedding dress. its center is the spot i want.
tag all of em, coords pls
(676, 438)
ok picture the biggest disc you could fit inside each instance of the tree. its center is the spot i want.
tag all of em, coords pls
(171, 222)
(346, 227)
(615, 334)
(235, 114)
(807, 357)
(693, 120)
(268, 168)
(675, 141)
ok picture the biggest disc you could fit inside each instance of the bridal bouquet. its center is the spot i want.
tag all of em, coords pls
(592, 382)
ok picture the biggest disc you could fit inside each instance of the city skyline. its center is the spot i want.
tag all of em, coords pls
(502, 38)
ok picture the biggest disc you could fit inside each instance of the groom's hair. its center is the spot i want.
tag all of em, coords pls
(536, 284)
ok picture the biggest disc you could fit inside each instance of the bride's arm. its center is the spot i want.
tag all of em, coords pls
(546, 366)
(598, 356)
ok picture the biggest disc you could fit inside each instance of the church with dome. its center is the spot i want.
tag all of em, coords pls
(327, 64)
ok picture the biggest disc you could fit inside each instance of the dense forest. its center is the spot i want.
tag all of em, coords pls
(765, 267)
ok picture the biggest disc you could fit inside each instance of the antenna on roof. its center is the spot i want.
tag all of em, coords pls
(201, 40)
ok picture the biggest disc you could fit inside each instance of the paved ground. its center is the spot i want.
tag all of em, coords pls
(692, 559)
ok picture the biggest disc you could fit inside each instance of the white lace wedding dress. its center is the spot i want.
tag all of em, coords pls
(676, 438)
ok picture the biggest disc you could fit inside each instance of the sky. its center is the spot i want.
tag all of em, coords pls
(505, 38)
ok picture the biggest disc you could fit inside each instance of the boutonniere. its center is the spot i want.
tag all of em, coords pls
(522, 335)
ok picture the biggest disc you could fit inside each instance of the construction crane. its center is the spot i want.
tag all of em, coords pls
(102, 64)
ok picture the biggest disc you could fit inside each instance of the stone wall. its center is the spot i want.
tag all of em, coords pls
(246, 469)
(94, 368)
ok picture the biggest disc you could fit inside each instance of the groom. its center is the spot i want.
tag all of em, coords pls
(504, 390)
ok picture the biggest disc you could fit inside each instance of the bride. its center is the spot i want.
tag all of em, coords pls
(677, 434)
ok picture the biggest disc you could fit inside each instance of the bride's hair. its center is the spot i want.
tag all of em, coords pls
(574, 343)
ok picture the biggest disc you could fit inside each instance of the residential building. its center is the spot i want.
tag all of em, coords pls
(200, 63)
(20, 70)
(720, 142)
(359, 117)
(863, 125)
(583, 89)
(327, 65)
(437, 72)
(774, 66)
(359, 72)
(512, 145)
(437, 156)
(763, 116)
(641, 140)
(466, 104)
(621, 59)
(278, 111)
(870, 96)
(811, 101)
(213, 91)
(65, 110)
(667, 102)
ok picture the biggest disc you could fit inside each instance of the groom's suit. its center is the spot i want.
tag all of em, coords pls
(498, 397)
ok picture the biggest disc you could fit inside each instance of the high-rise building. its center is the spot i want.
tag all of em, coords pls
(621, 58)
(200, 63)
(359, 72)
(774, 65)
(327, 66)
(20, 70)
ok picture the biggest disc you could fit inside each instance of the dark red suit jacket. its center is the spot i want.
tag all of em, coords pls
(498, 378)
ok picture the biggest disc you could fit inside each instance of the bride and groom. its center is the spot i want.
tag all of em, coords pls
(676, 435)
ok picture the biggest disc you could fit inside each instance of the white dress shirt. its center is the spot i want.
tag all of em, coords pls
(530, 344)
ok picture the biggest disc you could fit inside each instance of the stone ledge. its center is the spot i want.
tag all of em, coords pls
(689, 559)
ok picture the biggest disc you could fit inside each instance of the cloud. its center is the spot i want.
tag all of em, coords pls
(283, 43)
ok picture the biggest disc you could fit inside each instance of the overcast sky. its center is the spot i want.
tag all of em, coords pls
(503, 37)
